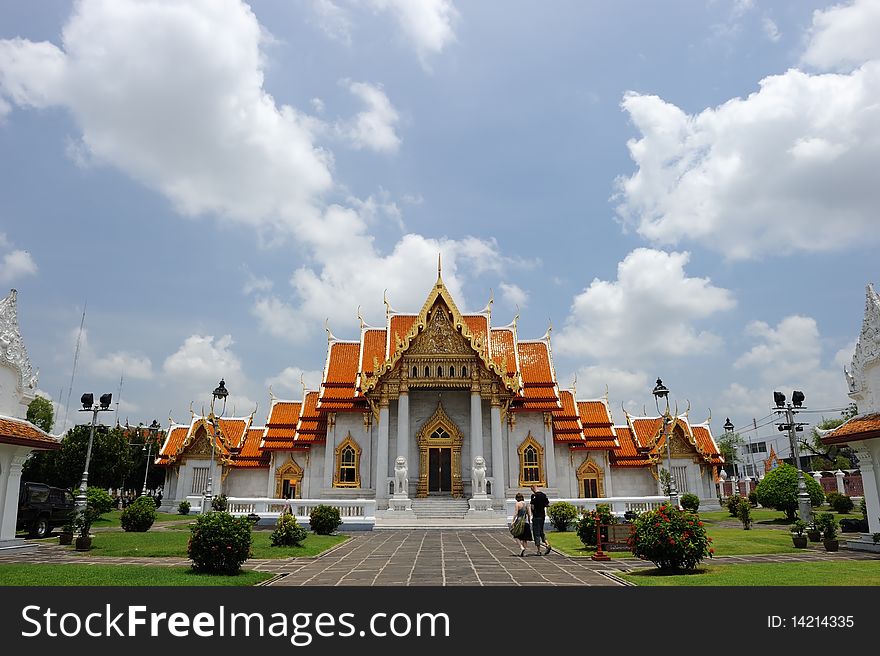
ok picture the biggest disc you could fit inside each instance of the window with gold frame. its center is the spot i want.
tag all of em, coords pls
(348, 464)
(531, 462)
(591, 480)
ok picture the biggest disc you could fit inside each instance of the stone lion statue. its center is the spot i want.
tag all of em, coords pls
(400, 479)
(478, 475)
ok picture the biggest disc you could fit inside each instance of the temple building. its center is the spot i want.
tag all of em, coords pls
(438, 404)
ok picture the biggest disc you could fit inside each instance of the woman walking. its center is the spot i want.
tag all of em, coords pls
(520, 527)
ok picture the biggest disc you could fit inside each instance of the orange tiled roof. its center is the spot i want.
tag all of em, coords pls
(250, 456)
(281, 426)
(232, 431)
(312, 426)
(373, 348)
(539, 384)
(503, 347)
(173, 442)
(860, 427)
(628, 453)
(340, 377)
(647, 430)
(596, 420)
(478, 324)
(399, 326)
(566, 422)
(706, 444)
(21, 432)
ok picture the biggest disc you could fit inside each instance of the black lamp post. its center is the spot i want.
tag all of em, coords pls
(790, 409)
(154, 430)
(89, 405)
(219, 394)
(728, 430)
(661, 392)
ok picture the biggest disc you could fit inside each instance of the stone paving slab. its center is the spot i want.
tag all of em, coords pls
(426, 558)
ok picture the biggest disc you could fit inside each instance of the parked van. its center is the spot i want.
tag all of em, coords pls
(42, 508)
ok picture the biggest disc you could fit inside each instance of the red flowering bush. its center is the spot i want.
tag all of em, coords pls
(590, 520)
(670, 538)
(219, 543)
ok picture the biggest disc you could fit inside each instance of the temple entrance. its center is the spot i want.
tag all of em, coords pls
(440, 470)
(439, 442)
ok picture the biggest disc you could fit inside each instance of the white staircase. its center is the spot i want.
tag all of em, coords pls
(440, 513)
(440, 508)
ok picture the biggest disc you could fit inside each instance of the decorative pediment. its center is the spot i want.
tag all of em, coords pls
(200, 444)
(867, 354)
(440, 336)
(12, 349)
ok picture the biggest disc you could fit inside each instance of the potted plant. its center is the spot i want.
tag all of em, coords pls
(814, 532)
(66, 535)
(797, 533)
(829, 531)
(81, 527)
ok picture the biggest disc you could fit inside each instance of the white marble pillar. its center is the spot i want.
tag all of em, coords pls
(10, 479)
(549, 456)
(403, 426)
(499, 481)
(329, 458)
(381, 481)
(869, 465)
(839, 476)
(476, 424)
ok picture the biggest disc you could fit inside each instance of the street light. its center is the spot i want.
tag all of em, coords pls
(220, 393)
(728, 430)
(89, 405)
(661, 392)
(154, 430)
(790, 409)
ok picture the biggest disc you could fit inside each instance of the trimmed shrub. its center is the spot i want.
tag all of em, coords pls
(753, 499)
(183, 508)
(323, 520)
(220, 503)
(779, 490)
(287, 532)
(864, 508)
(744, 513)
(99, 500)
(139, 516)
(831, 497)
(732, 505)
(690, 502)
(670, 538)
(849, 525)
(589, 521)
(219, 543)
(843, 504)
(561, 514)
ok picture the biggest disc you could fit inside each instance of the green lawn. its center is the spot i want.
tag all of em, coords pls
(114, 575)
(726, 542)
(173, 543)
(767, 516)
(112, 519)
(856, 573)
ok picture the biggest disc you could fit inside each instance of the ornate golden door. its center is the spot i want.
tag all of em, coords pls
(439, 443)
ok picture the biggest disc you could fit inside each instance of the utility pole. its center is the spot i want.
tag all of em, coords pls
(790, 409)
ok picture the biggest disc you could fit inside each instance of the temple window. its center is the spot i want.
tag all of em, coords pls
(348, 457)
(427, 372)
(531, 462)
(439, 372)
(415, 372)
(200, 480)
(464, 372)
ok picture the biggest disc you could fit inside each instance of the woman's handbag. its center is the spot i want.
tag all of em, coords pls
(518, 525)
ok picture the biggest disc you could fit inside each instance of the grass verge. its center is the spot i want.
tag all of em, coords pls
(115, 575)
(843, 573)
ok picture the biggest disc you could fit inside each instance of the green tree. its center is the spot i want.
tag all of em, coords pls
(727, 446)
(779, 490)
(830, 457)
(41, 414)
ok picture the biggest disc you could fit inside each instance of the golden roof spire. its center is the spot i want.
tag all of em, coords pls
(439, 266)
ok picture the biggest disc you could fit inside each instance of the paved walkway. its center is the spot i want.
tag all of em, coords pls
(427, 558)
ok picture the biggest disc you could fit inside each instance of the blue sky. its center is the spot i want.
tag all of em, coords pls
(685, 190)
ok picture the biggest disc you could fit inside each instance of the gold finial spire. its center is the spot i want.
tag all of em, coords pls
(439, 266)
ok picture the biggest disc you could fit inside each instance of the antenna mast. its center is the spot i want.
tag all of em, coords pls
(75, 358)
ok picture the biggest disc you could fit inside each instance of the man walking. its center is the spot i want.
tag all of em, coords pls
(539, 503)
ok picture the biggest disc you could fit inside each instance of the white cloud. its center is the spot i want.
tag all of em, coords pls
(373, 128)
(122, 363)
(16, 264)
(286, 384)
(207, 135)
(787, 169)
(784, 358)
(280, 319)
(514, 294)
(333, 20)
(648, 311)
(844, 36)
(428, 24)
(623, 384)
(771, 30)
